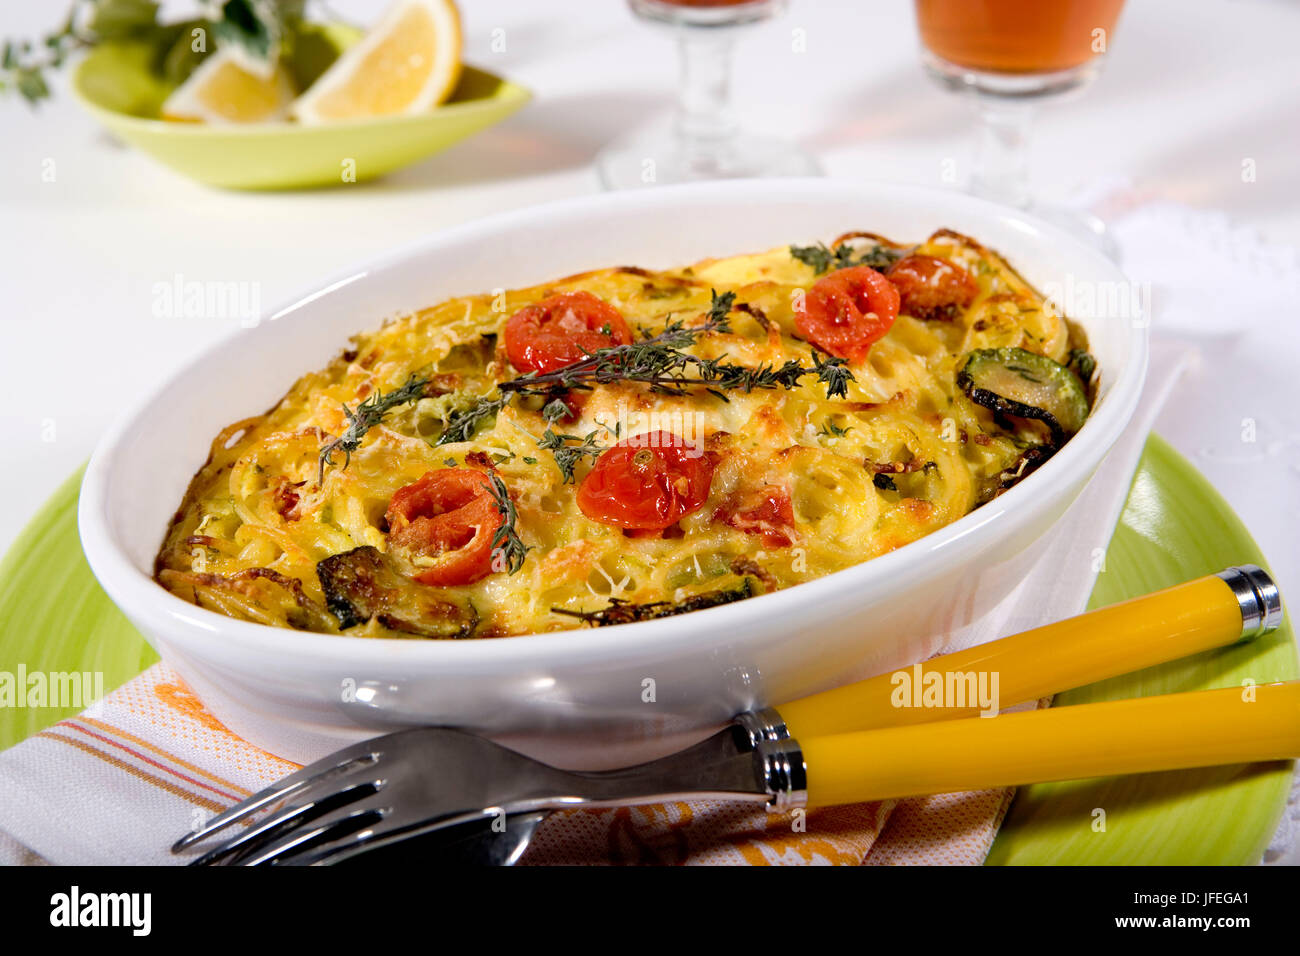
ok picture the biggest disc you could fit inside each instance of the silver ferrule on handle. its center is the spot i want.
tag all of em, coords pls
(785, 774)
(1258, 598)
(764, 724)
(778, 758)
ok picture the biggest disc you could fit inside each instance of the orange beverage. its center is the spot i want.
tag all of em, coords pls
(1017, 36)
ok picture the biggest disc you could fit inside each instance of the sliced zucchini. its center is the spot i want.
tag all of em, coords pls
(363, 583)
(1022, 384)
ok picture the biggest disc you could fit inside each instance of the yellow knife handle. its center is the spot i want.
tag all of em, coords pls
(1197, 729)
(1209, 612)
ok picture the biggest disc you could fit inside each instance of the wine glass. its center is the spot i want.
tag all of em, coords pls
(1009, 55)
(701, 141)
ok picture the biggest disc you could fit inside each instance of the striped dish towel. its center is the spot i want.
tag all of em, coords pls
(120, 782)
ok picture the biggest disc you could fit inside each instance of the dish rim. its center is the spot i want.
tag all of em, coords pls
(160, 610)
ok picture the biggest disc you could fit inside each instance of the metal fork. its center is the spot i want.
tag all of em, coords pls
(442, 784)
(460, 788)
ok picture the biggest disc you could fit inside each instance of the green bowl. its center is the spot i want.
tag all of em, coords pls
(121, 86)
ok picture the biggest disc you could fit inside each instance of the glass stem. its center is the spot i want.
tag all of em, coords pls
(1002, 152)
(704, 122)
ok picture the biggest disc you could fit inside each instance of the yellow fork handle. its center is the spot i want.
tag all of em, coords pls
(1181, 620)
(1197, 729)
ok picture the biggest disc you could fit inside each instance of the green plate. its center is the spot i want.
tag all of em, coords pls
(122, 86)
(1175, 527)
(55, 617)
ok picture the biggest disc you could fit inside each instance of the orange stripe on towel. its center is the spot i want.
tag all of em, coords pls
(140, 741)
(153, 763)
(194, 798)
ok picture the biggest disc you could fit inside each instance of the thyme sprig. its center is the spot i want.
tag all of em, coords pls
(366, 416)
(462, 425)
(599, 367)
(506, 542)
(23, 63)
(567, 455)
(657, 360)
(661, 362)
(832, 430)
(822, 259)
(833, 373)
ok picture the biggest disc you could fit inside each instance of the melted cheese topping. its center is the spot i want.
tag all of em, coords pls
(257, 503)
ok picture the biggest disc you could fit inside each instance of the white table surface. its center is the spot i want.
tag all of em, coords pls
(1191, 91)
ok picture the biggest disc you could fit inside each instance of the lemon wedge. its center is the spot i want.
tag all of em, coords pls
(221, 90)
(409, 62)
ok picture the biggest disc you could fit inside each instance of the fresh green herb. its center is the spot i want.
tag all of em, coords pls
(833, 373)
(529, 460)
(817, 257)
(367, 415)
(462, 425)
(832, 430)
(260, 28)
(449, 462)
(506, 542)
(821, 259)
(256, 26)
(567, 456)
(23, 63)
(556, 410)
(659, 361)
(624, 612)
(719, 308)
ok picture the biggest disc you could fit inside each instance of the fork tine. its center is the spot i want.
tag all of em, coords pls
(339, 826)
(364, 754)
(290, 818)
(441, 832)
(339, 848)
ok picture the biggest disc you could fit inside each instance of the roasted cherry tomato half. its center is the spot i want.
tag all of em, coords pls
(448, 515)
(847, 312)
(766, 511)
(932, 288)
(648, 481)
(562, 329)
